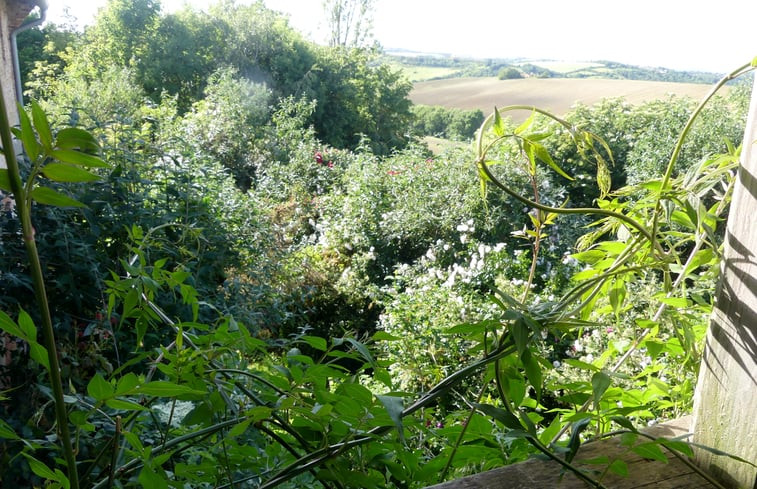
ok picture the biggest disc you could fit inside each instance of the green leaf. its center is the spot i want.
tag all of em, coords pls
(316, 342)
(533, 371)
(650, 450)
(46, 195)
(62, 172)
(44, 471)
(78, 158)
(617, 294)
(99, 388)
(42, 125)
(150, 479)
(574, 443)
(76, 138)
(125, 405)
(505, 417)
(499, 124)
(384, 336)
(31, 145)
(5, 180)
(619, 467)
(542, 153)
(526, 124)
(6, 431)
(624, 422)
(394, 408)
(161, 388)
(600, 381)
(36, 350)
(239, 428)
(554, 427)
(678, 446)
(9, 326)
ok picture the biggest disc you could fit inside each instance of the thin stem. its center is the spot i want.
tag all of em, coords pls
(48, 334)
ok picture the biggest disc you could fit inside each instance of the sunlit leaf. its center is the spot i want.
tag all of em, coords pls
(76, 138)
(651, 451)
(62, 172)
(499, 124)
(600, 381)
(78, 158)
(42, 125)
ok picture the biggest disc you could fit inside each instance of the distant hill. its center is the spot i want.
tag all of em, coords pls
(432, 66)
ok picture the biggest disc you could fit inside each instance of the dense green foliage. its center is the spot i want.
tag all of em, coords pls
(454, 124)
(255, 281)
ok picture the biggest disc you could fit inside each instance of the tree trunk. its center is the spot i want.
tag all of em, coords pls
(725, 403)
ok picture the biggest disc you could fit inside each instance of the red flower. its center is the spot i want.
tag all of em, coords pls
(330, 164)
(318, 157)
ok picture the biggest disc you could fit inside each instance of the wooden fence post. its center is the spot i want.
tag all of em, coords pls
(725, 402)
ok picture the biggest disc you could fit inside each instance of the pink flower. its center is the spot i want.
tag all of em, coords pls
(392, 172)
(330, 164)
(318, 157)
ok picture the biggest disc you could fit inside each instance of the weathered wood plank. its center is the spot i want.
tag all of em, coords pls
(643, 474)
(725, 403)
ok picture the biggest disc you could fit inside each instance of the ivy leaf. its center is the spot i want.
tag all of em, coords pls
(46, 195)
(62, 172)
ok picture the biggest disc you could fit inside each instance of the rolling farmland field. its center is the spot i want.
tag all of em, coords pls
(553, 94)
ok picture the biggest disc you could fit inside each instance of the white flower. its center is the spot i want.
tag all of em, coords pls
(463, 238)
(463, 228)
(578, 346)
(556, 364)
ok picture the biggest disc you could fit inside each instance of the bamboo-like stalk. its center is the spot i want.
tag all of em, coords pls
(23, 207)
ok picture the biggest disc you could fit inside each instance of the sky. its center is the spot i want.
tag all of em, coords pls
(685, 35)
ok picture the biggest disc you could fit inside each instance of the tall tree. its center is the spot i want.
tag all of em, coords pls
(350, 21)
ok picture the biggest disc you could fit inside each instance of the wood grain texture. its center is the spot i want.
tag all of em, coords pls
(725, 404)
(542, 474)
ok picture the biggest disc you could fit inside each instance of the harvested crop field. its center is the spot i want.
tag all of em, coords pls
(554, 94)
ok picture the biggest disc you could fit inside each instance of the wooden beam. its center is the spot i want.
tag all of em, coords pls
(725, 402)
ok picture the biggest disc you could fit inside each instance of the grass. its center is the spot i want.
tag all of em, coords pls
(416, 73)
(557, 95)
